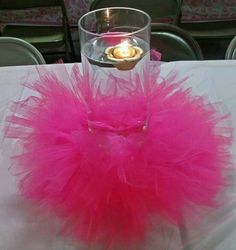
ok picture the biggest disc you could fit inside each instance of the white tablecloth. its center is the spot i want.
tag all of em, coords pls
(20, 229)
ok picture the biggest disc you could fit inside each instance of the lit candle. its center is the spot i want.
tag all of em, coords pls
(124, 53)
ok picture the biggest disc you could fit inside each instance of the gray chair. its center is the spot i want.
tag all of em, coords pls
(174, 43)
(231, 50)
(210, 30)
(14, 51)
(159, 10)
(47, 39)
(205, 29)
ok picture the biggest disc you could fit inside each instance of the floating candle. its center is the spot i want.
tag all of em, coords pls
(124, 51)
(126, 54)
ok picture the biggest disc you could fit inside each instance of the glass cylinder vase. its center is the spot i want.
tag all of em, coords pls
(114, 41)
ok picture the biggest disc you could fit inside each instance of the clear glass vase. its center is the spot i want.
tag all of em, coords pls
(114, 41)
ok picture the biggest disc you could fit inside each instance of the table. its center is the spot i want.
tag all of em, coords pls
(21, 229)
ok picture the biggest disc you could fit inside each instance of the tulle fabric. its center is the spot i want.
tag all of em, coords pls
(111, 158)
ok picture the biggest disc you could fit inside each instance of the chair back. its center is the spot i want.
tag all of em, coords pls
(15, 5)
(231, 50)
(203, 30)
(15, 51)
(19, 30)
(174, 43)
(28, 4)
(168, 10)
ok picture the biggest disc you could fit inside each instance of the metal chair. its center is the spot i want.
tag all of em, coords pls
(44, 38)
(174, 43)
(14, 51)
(211, 30)
(159, 10)
(207, 29)
(231, 50)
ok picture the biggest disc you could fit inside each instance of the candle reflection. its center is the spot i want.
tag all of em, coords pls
(107, 16)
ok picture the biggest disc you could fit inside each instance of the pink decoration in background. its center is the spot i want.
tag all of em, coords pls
(208, 10)
(192, 11)
(110, 159)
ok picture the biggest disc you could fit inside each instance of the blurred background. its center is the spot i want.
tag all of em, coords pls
(52, 25)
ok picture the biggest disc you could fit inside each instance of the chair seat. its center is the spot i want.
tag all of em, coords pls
(221, 33)
(205, 30)
(40, 36)
(166, 19)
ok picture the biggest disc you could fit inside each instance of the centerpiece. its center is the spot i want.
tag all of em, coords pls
(115, 149)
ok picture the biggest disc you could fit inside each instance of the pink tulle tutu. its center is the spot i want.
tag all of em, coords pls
(109, 158)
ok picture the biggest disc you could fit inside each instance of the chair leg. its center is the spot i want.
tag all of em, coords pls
(71, 43)
(68, 57)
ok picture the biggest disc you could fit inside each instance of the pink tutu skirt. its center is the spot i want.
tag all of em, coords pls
(110, 159)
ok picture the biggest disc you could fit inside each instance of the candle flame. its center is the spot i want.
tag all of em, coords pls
(124, 46)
